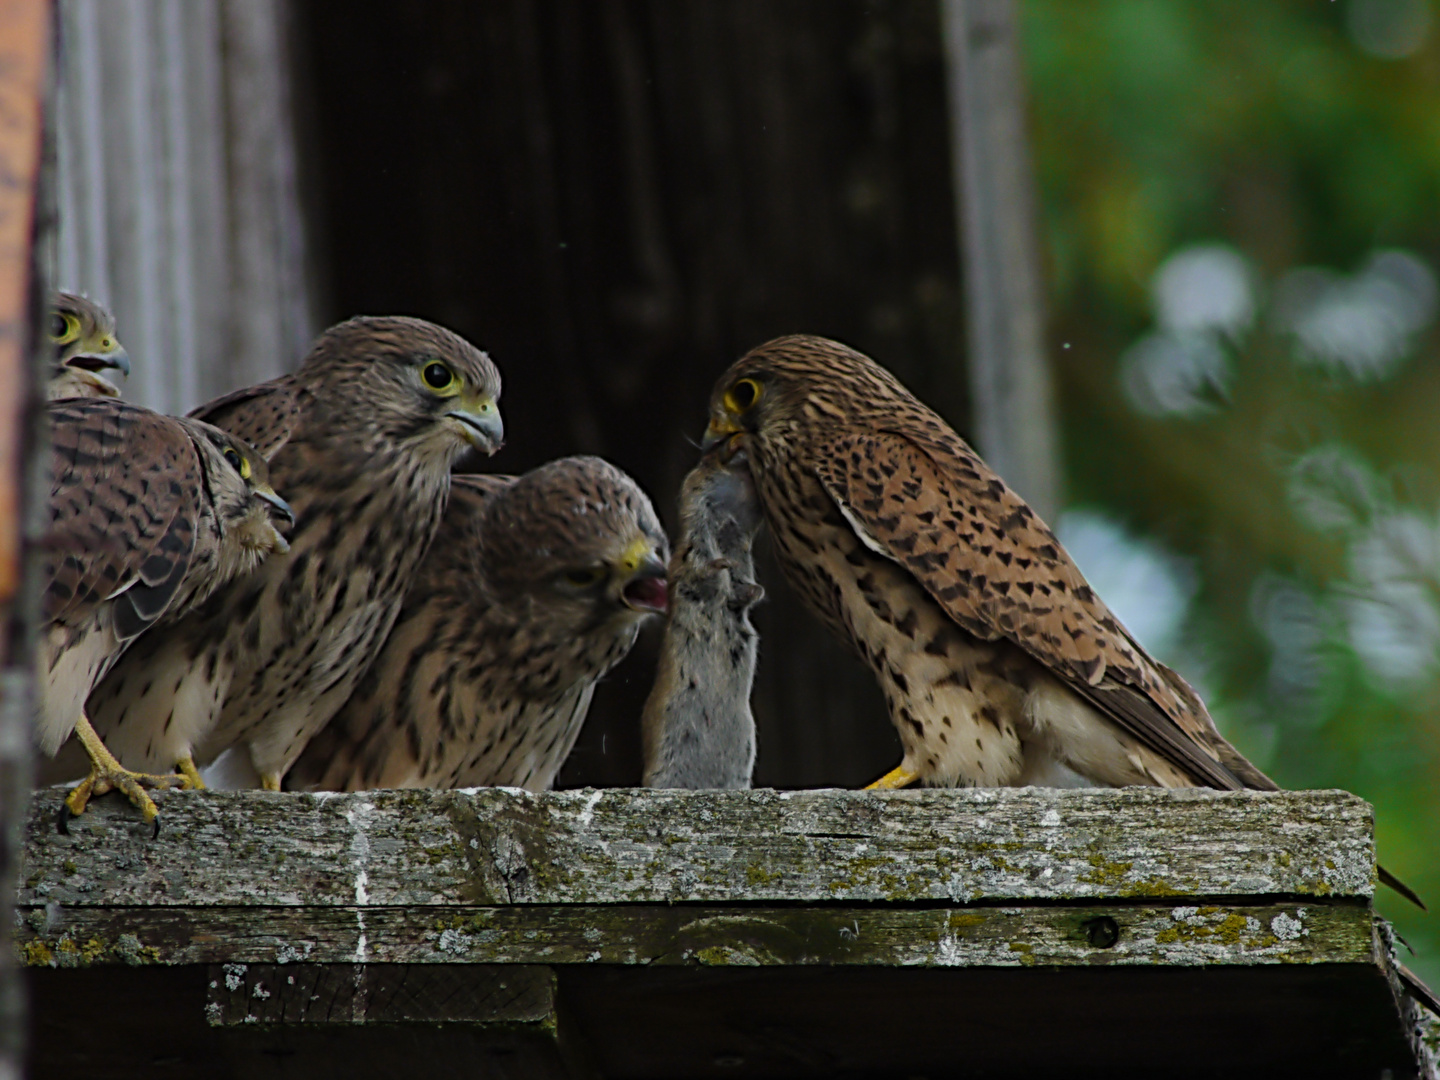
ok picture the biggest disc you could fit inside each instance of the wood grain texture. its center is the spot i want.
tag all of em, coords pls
(1140, 935)
(502, 846)
(673, 926)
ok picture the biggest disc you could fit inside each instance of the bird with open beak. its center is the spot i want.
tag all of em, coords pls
(82, 334)
(534, 588)
(361, 438)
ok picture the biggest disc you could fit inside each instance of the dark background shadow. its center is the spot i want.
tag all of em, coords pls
(617, 200)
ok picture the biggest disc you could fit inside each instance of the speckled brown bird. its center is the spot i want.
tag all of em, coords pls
(361, 439)
(148, 516)
(534, 589)
(996, 658)
(82, 334)
(697, 729)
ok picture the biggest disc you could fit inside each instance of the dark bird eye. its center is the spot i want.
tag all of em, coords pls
(237, 460)
(63, 328)
(437, 376)
(588, 576)
(742, 396)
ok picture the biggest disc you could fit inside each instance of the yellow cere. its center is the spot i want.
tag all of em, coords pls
(635, 554)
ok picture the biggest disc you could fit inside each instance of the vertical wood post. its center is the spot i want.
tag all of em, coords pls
(178, 187)
(24, 65)
(1014, 412)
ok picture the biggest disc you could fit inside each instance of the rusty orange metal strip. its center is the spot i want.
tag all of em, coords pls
(24, 51)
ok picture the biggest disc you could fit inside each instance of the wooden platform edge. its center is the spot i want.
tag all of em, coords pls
(496, 846)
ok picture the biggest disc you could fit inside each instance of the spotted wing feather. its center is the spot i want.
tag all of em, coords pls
(932, 506)
(123, 505)
(265, 415)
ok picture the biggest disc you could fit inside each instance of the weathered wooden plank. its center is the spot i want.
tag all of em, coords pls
(707, 935)
(501, 846)
(513, 995)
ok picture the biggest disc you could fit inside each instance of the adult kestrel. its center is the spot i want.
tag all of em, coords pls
(83, 336)
(534, 588)
(149, 514)
(997, 660)
(697, 728)
(361, 438)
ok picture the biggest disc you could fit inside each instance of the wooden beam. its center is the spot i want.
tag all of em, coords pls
(1010, 382)
(24, 62)
(341, 933)
(1105, 935)
(494, 846)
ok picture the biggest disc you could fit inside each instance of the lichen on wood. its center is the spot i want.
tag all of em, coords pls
(502, 846)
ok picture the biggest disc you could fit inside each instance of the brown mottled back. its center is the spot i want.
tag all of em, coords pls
(148, 515)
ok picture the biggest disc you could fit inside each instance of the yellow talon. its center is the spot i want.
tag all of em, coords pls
(107, 774)
(897, 777)
(193, 780)
(270, 782)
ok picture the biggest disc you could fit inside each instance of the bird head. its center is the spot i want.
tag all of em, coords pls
(250, 512)
(796, 384)
(578, 538)
(82, 334)
(408, 385)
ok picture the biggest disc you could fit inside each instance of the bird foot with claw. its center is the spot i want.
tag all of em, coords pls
(132, 785)
(897, 777)
(190, 777)
(107, 774)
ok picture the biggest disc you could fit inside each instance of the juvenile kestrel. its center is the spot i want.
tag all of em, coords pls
(148, 516)
(697, 728)
(534, 589)
(361, 438)
(83, 336)
(997, 660)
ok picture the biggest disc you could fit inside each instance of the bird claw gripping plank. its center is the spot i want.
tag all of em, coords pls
(107, 774)
(114, 572)
(697, 726)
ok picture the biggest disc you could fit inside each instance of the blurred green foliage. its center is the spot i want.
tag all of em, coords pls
(1267, 127)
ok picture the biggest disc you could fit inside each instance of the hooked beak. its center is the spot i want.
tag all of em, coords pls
(481, 425)
(278, 506)
(645, 591)
(719, 429)
(116, 358)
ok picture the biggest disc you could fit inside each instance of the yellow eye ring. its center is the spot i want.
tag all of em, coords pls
(741, 397)
(437, 376)
(63, 328)
(235, 458)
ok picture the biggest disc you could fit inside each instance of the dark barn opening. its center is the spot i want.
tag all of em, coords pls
(617, 200)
